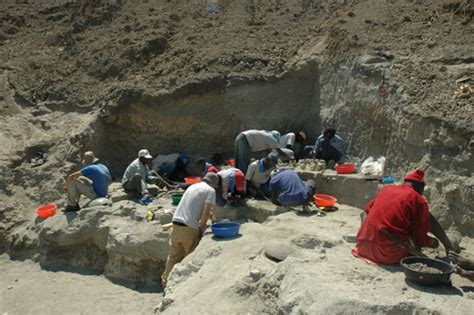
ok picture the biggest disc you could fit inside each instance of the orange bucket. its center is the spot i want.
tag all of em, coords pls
(324, 200)
(192, 180)
(47, 211)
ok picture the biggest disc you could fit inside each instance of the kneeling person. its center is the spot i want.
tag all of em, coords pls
(189, 220)
(288, 189)
(91, 181)
(398, 212)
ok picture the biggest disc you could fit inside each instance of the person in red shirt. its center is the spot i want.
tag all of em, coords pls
(402, 212)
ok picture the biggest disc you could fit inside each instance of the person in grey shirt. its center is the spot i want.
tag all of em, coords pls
(330, 148)
(136, 175)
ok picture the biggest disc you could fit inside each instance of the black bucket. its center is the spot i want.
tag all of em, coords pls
(424, 278)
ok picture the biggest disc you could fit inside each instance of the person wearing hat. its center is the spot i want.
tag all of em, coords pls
(329, 147)
(288, 189)
(251, 141)
(398, 212)
(91, 181)
(135, 178)
(190, 220)
(231, 180)
(258, 175)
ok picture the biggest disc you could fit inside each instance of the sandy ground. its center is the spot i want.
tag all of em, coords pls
(27, 289)
(320, 277)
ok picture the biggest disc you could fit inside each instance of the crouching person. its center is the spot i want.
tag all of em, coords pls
(258, 176)
(232, 181)
(190, 219)
(135, 177)
(289, 190)
(91, 181)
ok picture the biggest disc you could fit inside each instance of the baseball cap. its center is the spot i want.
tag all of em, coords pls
(145, 154)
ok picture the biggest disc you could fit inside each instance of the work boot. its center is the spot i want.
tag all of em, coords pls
(72, 208)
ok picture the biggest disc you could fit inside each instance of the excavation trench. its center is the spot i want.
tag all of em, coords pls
(204, 119)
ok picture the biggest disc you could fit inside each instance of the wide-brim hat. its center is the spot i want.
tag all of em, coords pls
(212, 179)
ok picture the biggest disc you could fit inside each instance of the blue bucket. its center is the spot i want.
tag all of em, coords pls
(225, 230)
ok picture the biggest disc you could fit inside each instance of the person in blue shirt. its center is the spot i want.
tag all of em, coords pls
(91, 181)
(288, 189)
(330, 148)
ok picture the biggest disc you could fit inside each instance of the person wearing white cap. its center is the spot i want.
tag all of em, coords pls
(91, 181)
(190, 220)
(136, 175)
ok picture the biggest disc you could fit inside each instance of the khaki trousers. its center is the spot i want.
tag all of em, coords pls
(80, 186)
(183, 241)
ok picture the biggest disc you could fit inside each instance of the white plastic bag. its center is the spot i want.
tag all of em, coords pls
(373, 168)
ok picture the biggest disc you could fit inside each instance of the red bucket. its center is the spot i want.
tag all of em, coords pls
(192, 180)
(324, 200)
(47, 211)
(345, 168)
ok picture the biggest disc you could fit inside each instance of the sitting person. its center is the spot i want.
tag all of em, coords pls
(204, 167)
(400, 211)
(288, 189)
(136, 175)
(231, 180)
(330, 148)
(258, 175)
(91, 181)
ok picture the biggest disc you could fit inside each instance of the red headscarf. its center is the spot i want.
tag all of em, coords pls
(416, 176)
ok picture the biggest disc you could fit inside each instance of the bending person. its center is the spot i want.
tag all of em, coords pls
(398, 212)
(288, 189)
(190, 220)
(251, 141)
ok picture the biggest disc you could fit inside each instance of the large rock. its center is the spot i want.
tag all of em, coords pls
(114, 240)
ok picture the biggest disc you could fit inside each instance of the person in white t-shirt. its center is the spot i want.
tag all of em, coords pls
(293, 142)
(253, 140)
(190, 220)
